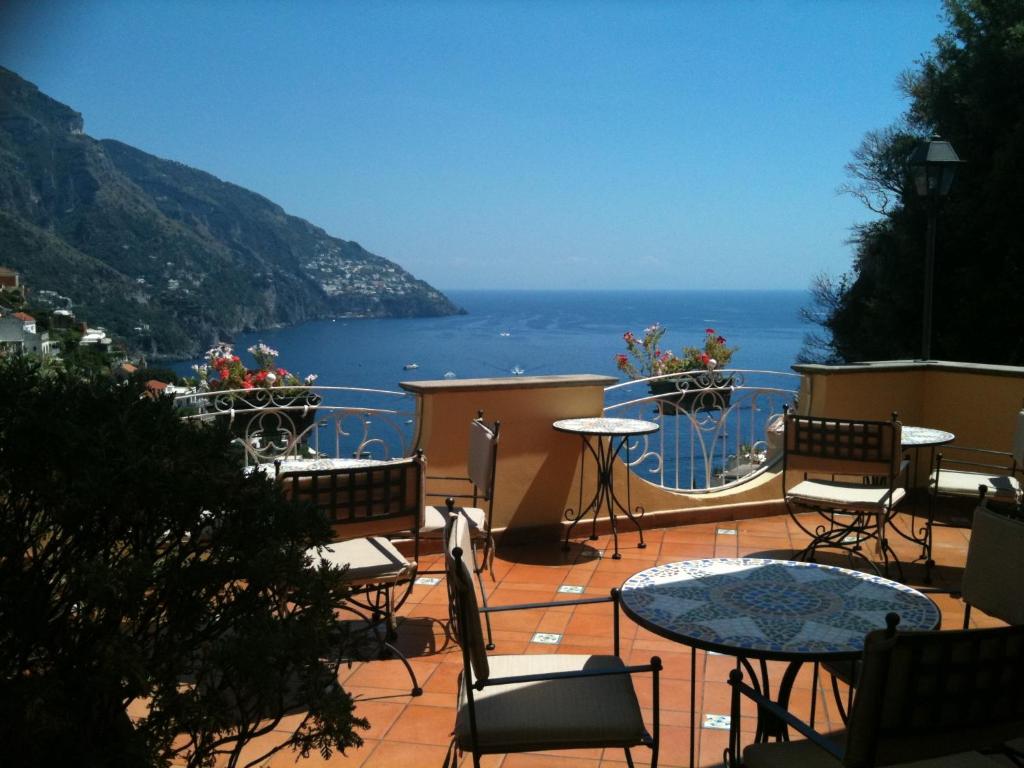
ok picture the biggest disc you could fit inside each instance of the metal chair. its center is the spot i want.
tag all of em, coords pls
(848, 471)
(477, 487)
(925, 698)
(960, 470)
(536, 702)
(363, 504)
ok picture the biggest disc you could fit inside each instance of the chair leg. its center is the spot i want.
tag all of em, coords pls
(629, 757)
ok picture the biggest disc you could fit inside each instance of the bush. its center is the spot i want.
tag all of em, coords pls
(138, 564)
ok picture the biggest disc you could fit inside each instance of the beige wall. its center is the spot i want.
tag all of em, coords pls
(538, 468)
(977, 403)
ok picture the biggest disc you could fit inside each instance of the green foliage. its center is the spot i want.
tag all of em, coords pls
(970, 90)
(137, 563)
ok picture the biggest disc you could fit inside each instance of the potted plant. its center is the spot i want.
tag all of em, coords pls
(701, 384)
(268, 401)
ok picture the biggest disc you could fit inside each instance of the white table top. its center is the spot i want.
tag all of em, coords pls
(915, 437)
(311, 465)
(771, 609)
(599, 425)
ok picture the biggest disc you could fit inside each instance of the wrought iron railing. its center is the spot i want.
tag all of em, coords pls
(343, 422)
(718, 429)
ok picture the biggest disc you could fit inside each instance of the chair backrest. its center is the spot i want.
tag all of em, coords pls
(482, 455)
(463, 607)
(929, 694)
(993, 577)
(815, 444)
(368, 500)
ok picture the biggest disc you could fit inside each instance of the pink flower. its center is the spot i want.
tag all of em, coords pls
(709, 331)
(720, 340)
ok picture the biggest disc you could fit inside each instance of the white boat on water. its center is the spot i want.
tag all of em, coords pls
(410, 366)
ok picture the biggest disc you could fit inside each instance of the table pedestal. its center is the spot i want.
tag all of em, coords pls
(605, 453)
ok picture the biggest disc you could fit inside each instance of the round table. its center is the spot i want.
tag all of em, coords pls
(274, 468)
(604, 439)
(765, 610)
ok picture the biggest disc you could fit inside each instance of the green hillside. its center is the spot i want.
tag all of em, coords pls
(165, 256)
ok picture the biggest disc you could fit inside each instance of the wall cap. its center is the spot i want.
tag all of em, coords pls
(910, 365)
(508, 382)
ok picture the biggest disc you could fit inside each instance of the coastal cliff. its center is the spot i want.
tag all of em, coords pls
(168, 257)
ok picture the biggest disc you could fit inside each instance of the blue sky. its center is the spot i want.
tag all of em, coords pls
(560, 144)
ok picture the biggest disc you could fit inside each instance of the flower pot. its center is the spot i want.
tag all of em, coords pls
(692, 392)
(273, 418)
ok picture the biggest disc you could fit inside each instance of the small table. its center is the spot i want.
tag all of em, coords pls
(918, 438)
(766, 610)
(274, 468)
(612, 435)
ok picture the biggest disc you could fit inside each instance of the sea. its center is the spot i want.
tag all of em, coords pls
(518, 332)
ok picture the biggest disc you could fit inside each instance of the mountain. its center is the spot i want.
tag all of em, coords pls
(168, 257)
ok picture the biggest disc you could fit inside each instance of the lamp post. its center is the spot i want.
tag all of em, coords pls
(932, 165)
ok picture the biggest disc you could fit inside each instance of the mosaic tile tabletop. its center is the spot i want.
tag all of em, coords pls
(312, 465)
(911, 437)
(770, 608)
(600, 425)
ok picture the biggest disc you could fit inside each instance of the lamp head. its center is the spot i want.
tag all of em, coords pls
(933, 166)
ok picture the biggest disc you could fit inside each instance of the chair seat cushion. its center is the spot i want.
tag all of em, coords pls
(809, 755)
(834, 494)
(434, 520)
(368, 559)
(552, 714)
(957, 483)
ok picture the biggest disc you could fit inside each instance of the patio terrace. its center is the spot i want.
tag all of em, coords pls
(407, 731)
(538, 478)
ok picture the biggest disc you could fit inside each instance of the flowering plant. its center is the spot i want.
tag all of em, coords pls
(712, 354)
(224, 370)
(644, 356)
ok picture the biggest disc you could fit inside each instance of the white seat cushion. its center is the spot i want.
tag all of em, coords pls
(368, 559)
(552, 714)
(843, 495)
(434, 520)
(957, 483)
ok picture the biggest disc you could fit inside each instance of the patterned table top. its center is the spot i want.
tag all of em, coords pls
(311, 465)
(911, 437)
(599, 425)
(771, 609)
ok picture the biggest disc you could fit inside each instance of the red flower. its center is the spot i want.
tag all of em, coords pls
(720, 340)
(704, 358)
(709, 331)
(224, 373)
(247, 384)
(282, 372)
(620, 359)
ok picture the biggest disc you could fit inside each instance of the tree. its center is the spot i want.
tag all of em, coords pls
(970, 90)
(139, 567)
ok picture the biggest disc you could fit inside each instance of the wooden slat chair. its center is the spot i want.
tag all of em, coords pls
(475, 487)
(365, 504)
(537, 702)
(849, 472)
(925, 699)
(960, 470)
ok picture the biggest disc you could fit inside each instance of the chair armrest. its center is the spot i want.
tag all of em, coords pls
(654, 666)
(739, 687)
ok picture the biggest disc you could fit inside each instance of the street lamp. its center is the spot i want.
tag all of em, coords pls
(932, 165)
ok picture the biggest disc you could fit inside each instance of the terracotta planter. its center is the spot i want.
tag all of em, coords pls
(692, 392)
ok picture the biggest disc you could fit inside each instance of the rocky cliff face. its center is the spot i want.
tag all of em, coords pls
(168, 257)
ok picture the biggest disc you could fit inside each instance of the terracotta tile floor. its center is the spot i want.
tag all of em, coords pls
(407, 731)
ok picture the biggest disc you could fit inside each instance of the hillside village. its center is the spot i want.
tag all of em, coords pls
(43, 324)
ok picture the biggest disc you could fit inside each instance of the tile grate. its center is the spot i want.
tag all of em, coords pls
(428, 581)
(571, 589)
(717, 722)
(546, 638)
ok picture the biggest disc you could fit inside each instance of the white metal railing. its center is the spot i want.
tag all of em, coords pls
(316, 421)
(718, 428)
